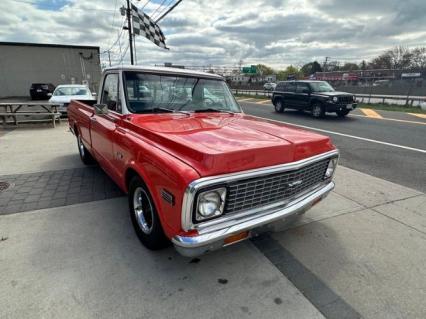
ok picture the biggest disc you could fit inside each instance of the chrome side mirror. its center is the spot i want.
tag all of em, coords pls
(101, 109)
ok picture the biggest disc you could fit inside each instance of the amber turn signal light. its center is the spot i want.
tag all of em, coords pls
(235, 238)
(316, 201)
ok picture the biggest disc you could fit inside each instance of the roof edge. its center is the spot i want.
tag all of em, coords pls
(52, 45)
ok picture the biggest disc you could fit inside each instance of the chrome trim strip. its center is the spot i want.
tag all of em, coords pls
(196, 245)
(196, 185)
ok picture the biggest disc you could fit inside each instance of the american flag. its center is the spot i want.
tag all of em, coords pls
(143, 25)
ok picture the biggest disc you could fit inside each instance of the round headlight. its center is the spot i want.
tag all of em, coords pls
(210, 203)
(331, 168)
(335, 99)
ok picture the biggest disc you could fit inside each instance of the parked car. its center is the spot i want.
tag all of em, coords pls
(63, 95)
(41, 91)
(269, 86)
(198, 171)
(318, 97)
(382, 83)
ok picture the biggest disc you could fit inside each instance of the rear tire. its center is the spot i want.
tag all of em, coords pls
(85, 156)
(144, 216)
(318, 110)
(279, 106)
(342, 113)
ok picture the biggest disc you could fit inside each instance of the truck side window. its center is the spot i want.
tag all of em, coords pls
(110, 95)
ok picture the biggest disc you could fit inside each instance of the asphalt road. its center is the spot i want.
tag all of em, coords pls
(392, 147)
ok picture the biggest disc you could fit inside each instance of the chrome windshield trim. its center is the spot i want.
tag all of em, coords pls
(195, 186)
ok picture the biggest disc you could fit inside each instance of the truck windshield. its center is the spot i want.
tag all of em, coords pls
(321, 87)
(148, 93)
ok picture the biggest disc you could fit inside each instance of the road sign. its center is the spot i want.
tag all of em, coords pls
(250, 69)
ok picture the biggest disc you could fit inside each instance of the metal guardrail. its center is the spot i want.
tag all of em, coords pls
(362, 98)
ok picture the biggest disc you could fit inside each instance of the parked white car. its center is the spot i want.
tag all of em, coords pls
(63, 95)
(269, 86)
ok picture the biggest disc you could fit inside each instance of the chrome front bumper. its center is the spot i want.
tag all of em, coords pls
(192, 246)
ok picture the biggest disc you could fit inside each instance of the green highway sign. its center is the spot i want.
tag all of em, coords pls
(250, 69)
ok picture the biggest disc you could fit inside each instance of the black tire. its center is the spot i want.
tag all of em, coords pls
(342, 113)
(279, 106)
(144, 217)
(317, 110)
(85, 156)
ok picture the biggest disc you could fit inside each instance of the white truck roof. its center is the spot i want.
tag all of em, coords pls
(164, 70)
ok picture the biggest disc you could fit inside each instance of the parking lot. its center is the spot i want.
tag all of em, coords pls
(68, 249)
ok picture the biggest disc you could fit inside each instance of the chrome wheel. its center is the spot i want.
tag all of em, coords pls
(80, 146)
(143, 210)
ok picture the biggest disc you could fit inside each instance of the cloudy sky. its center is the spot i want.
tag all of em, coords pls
(222, 32)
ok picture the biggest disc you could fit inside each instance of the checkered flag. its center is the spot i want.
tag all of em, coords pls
(143, 25)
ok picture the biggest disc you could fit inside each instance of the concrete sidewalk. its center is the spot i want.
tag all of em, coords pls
(84, 261)
(367, 243)
(361, 252)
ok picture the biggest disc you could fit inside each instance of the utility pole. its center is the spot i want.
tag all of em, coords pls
(109, 57)
(325, 64)
(129, 28)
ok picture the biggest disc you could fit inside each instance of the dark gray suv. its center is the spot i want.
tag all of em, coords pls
(318, 97)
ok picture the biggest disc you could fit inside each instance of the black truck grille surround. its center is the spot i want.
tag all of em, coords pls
(261, 191)
(346, 99)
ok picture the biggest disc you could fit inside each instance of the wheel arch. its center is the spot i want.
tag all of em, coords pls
(316, 100)
(276, 98)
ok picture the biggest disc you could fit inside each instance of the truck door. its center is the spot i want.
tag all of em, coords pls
(103, 127)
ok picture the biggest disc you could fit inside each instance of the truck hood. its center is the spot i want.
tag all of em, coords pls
(218, 143)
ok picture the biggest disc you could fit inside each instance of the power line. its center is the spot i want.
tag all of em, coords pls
(112, 27)
(153, 13)
(145, 4)
(118, 37)
(162, 11)
(124, 54)
(168, 11)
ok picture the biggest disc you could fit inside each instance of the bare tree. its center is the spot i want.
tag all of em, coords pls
(419, 58)
(397, 58)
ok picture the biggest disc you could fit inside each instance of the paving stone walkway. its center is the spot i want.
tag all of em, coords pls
(55, 188)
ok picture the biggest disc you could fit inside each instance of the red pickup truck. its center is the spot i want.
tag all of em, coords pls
(197, 170)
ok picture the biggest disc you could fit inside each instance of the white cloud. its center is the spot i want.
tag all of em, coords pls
(203, 32)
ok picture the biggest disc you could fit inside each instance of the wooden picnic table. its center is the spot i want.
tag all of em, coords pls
(13, 110)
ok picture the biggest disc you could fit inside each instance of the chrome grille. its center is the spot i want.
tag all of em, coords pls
(346, 99)
(265, 190)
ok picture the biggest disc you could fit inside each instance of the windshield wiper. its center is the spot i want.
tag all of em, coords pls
(166, 110)
(212, 110)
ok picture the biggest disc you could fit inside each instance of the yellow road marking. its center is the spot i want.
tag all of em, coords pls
(263, 102)
(387, 119)
(423, 116)
(371, 113)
